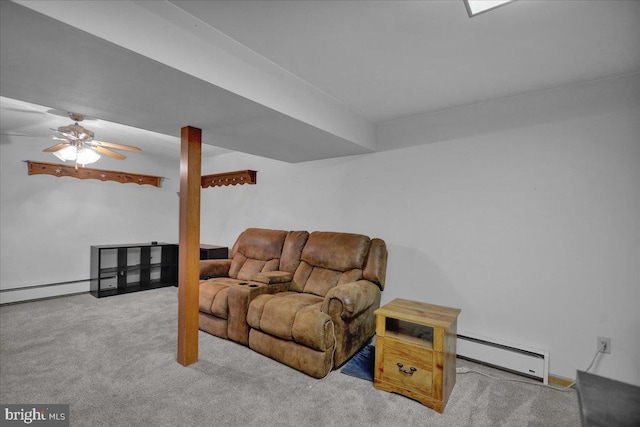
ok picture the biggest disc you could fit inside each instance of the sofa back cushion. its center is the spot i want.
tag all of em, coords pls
(292, 250)
(375, 269)
(256, 250)
(330, 259)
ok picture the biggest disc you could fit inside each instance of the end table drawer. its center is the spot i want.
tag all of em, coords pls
(406, 366)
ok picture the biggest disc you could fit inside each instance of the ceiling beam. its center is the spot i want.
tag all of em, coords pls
(167, 34)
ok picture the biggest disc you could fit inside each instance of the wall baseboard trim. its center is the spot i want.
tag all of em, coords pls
(37, 292)
(42, 299)
(46, 285)
(565, 382)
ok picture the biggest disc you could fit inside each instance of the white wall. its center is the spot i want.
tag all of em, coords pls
(533, 231)
(49, 223)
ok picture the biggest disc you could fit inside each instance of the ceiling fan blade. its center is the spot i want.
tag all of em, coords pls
(22, 110)
(56, 147)
(116, 146)
(109, 153)
(8, 133)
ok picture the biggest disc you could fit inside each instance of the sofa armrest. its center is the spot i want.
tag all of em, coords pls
(214, 268)
(351, 299)
(272, 277)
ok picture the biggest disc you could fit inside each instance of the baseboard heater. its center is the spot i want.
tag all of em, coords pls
(516, 359)
(45, 291)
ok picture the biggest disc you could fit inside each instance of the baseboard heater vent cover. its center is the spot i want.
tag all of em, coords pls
(520, 360)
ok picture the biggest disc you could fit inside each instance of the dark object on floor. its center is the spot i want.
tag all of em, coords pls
(362, 363)
(607, 402)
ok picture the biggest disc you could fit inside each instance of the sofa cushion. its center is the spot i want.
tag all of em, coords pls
(376, 267)
(310, 361)
(292, 316)
(252, 266)
(330, 259)
(336, 251)
(256, 244)
(319, 281)
(292, 250)
(213, 296)
(254, 314)
(260, 243)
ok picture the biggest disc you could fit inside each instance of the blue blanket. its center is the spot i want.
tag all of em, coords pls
(362, 364)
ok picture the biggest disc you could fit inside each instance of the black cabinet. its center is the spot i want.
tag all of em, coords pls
(119, 269)
(214, 252)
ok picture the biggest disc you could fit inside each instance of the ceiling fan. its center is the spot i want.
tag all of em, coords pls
(77, 144)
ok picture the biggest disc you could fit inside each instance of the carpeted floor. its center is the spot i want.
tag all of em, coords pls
(113, 361)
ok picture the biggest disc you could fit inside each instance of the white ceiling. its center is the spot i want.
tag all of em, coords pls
(393, 59)
(24, 121)
(299, 80)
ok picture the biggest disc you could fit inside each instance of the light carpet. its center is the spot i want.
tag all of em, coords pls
(114, 361)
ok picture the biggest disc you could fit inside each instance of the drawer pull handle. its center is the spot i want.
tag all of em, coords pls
(404, 371)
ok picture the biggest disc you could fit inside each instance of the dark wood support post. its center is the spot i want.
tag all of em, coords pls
(188, 271)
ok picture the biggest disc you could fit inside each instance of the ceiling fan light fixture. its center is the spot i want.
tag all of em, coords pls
(67, 153)
(77, 144)
(82, 155)
(87, 156)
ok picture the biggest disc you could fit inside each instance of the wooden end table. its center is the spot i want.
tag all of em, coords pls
(416, 351)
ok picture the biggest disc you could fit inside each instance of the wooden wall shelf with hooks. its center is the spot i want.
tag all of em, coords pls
(56, 169)
(229, 178)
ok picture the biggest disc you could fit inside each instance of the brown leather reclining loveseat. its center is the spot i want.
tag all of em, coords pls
(303, 299)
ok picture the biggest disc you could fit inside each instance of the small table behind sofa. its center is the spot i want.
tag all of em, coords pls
(214, 252)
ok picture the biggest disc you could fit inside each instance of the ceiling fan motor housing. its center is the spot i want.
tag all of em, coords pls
(76, 132)
(76, 117)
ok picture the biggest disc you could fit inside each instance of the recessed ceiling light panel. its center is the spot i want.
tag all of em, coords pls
(475, 7)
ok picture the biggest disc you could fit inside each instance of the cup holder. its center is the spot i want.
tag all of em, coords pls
(250, 285)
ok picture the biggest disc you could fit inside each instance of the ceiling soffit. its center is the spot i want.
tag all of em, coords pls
(50, 63)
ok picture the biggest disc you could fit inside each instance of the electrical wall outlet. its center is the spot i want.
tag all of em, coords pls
(606, 342)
